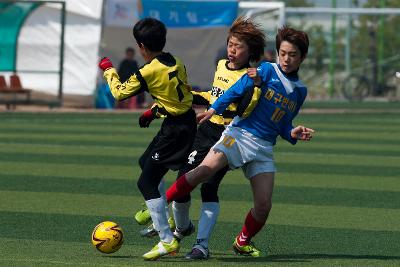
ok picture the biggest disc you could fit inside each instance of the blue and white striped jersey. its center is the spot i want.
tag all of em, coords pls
(280, 101)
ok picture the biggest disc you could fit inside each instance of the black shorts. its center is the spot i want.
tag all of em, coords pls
(171, 146)
(207, 135)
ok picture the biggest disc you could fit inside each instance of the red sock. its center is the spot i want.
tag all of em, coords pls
(178, 189)
(250, 228)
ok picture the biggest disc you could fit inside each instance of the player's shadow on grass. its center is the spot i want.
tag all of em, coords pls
(306, 258)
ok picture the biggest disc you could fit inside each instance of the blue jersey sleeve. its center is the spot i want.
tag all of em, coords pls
(287, 128)
(286, 133)
(264, 71)
(240, 88)
(232, 94)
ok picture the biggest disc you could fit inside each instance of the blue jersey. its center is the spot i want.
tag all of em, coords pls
(280, 101)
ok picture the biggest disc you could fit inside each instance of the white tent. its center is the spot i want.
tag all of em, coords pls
(39, 43)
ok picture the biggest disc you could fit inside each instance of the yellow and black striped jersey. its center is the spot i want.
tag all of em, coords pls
(164, 78)
(224, 78)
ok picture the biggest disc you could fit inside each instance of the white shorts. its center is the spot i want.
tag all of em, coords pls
(243, 149)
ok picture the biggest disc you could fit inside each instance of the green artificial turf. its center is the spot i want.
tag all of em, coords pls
(336, 200)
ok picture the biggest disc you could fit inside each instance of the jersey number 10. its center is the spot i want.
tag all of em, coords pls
(277, 115)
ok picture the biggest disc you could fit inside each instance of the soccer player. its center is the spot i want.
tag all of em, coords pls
(164, 77)
(245, 44)
(248, 142)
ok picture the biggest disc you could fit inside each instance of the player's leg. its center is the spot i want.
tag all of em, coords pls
(173, 147)
(213, 162)
(180, 222)
(176, 137)
(208, 216)
(143, 217)
(262, 186)
(148, 185)
(207, 135)
(161, 189)
(180, 207)
(180, 210)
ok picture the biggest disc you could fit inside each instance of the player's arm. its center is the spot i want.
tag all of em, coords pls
(251, 97)
(201, 98)
(300, 132)
(233, 94)
(133, 86)
(248, 102)
(291, 133)
(149, 115)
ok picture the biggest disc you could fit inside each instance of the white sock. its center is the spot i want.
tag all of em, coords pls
(181, 215)
(161, 189)
(208, 218)
(156, 207)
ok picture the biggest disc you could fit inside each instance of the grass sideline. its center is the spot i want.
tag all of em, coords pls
(335, 201)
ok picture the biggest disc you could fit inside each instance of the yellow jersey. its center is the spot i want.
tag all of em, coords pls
(224, 78)
(164, 78)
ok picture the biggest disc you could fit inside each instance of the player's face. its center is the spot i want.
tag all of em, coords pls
(289, 57)
(238, 53)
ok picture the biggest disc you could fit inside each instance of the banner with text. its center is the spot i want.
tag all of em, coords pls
(191, 13)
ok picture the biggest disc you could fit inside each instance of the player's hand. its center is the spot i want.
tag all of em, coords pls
(302, 133)
(105, 64)
(146, 118)
(202, 117)
(253, 74)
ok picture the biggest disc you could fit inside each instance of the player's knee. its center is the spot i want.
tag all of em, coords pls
(186, 168)
(184, 199)
(209, 192)
(148, 190)
(203, 173)
(141, 184)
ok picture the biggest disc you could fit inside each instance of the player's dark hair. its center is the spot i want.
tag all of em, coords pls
(296, 37)
(249, 32)
(151, 33)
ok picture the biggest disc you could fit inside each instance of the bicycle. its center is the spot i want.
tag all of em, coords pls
(357, 86)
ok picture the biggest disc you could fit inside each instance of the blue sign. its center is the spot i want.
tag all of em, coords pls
(191, 13)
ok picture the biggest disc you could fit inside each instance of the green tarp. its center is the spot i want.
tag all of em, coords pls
(12, 17)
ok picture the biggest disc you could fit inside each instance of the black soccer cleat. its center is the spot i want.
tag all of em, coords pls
(179, 234)
(198, 253)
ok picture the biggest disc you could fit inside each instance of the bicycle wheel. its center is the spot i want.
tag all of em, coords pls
(356, 87)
